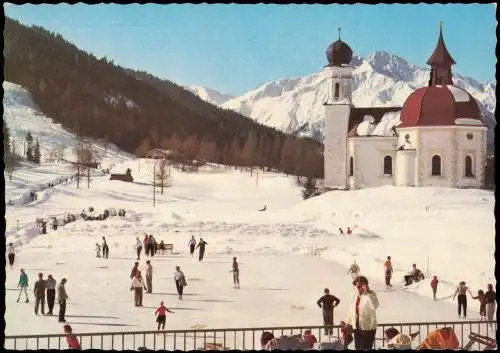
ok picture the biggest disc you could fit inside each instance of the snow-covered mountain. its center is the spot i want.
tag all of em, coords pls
(380, 79)
(207, 94)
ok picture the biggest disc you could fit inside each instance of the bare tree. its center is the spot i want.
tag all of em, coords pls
(86, 159)
(162, 174)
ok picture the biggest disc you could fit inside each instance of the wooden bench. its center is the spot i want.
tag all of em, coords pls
(169, 247)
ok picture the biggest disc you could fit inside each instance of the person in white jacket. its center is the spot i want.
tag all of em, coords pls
(362, 315)
(137, 286)
(138, 247)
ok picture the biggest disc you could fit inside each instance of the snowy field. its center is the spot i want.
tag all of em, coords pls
(287, 254)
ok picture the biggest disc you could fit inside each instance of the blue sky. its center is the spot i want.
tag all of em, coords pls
(235, 48)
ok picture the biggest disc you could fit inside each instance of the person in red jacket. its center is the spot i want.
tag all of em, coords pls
(162, 315)
(349, 231)
(434, 286)
(309, 338)
(71, 338)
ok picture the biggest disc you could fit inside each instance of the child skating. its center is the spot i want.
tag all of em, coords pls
(162, 315)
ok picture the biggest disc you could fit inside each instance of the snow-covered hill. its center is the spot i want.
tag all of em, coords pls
(380, 79)
(211, 96)
(22, 115)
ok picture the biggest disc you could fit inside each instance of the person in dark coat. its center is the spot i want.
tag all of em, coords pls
(201, 245)
(327, 302)
(105, 248)
(62, 297)
(39, 292)
(12, 255)
(134, 270)
(236, 274)
(192, 244)
(180, 281)
(50, 285)
(490, 298)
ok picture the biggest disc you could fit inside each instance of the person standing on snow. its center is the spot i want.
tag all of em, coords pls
(180, 281)
(39, 292)
(490, 300)
(149, 277)
(482, 304)
(97, 250)
(62, 297)
(192, 244)
(362, 315)
(137, 286)
(146, 244)
(462, 290)
(354, 270)
(12, 255)
(434, 286)
(50, 285)
(162, 315)
(201, 245)
(236, 274)
(134, 271)
(138, 247)
(105, 248)
(327, 302)
(23, 285)
(388, 271)
(349, 231)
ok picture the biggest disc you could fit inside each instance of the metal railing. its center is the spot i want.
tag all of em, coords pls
(235, 338)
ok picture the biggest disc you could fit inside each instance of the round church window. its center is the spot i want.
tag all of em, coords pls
(469, 136)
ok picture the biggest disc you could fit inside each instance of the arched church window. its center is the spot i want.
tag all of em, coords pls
(337, 91)
(387, 165)
(436, 165)
(468, 167)
(351, 166)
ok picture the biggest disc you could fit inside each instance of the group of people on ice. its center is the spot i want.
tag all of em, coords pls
(104, 247)
(44, 288)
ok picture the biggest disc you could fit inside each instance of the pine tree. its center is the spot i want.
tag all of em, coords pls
(6, 139)
(36, 153)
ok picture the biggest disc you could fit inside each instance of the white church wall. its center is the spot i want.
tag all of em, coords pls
(335, 144)
(368, 155)
(471, 141)
(436, 141)
(405, 167)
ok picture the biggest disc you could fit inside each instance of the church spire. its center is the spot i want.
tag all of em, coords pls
(339, 32)
(441, 62)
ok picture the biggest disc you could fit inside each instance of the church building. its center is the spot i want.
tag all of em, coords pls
(438, 137)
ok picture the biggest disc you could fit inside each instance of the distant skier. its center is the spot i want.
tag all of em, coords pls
(39, 292)
(490, 301)
(138, 247)
(105, 248)
(162, 315)
(192, 244)
(354, 270)
(349, 231)
(388, 271)
(23, 285)
(434, 286)
(149, 277)
(97, 250)
(201, 245)
(50, 285)
(341, 232)
(327, 302)
(236, 274)
(12, 255)
(462, 290)
(180, 281)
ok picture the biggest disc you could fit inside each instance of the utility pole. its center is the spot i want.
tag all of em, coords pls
(154, 184)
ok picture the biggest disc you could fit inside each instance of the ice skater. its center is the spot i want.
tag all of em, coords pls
(201, 245)
(161, 311)
(328, 302)
(434, 286)
(236, 274)
(62, 298)
(39, 292)
(23, 285)
(180, 281)
(149, 277)
(97, 250)
(388, 271)
(137, 286)
(462, 290)
(50, 285)
(138, 248)
(354, 270)
(192, 244)
(12, 255)
(490, 301)
(105, 248)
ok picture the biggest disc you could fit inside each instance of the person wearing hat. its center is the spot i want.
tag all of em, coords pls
(39, 292)
(388, 271)
(62, 297)
(327, 302)
(362, 315)
(50, 285)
